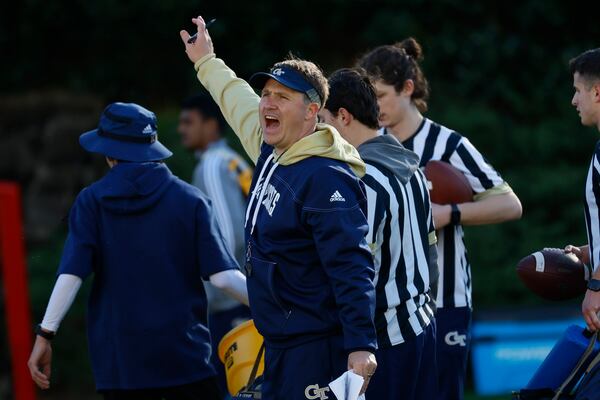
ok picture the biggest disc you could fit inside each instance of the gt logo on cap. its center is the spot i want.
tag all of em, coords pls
(278, 72)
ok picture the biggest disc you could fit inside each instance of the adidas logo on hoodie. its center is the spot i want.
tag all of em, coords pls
(336, 196)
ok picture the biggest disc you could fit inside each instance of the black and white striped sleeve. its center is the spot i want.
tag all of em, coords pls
(592, 207)
(427, 206)
(481, 175)
(377, 212)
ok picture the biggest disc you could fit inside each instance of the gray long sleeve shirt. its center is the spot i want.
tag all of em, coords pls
(220, 174)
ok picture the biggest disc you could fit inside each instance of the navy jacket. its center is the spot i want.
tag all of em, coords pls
(309, 268)
(148, 238)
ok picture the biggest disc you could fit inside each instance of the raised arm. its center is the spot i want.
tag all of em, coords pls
(236, 98)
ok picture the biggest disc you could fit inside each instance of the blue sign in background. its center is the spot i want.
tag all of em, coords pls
(506, 354)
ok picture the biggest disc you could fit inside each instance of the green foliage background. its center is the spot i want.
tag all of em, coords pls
(497, 71)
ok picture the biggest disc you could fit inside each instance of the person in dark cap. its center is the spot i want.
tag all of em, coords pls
(308, 266)
(148, 238)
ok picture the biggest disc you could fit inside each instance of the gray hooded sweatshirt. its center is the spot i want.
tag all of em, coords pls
(388, 152)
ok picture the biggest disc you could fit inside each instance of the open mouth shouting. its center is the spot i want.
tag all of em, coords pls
(271, 122)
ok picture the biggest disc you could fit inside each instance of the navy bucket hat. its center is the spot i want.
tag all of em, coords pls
(126, 132)
(288, 77)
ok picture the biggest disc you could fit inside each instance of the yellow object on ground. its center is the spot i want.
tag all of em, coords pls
(238, 351)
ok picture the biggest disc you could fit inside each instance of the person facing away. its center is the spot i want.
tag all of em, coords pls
(402, 239)
(225, 178)
(148, 239)
(402, 92)
(308, 265)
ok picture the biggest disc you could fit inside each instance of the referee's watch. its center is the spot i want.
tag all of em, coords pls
(454, 215)
(594, 285)
(45, 334)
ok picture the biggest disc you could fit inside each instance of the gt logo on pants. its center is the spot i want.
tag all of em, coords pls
(313, 392)
(453, 338)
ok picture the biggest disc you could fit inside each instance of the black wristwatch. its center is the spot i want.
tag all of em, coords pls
(594, 285)
(455, 215)
(45, 334)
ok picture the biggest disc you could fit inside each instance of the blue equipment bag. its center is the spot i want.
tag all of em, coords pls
(568, 371)
(589, 385)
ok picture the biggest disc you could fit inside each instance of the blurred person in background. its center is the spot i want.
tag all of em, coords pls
(225, 178)
(402, 92)
(148, 239)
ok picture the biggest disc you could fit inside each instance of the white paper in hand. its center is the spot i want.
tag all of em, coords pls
(347, 386)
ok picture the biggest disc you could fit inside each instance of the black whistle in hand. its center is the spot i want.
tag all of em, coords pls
(192, 38)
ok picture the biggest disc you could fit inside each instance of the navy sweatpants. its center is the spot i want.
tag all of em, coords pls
(406, 371)
(453, 342)
(304, 371)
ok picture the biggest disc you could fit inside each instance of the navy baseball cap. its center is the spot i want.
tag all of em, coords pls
(288, 77)
(126, 132)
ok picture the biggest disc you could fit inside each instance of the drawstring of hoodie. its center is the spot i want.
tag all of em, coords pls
(262, 193)
(262, 172)
(262, 189)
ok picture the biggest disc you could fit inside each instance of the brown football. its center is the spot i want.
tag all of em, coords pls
(447, 185)
(553, 274)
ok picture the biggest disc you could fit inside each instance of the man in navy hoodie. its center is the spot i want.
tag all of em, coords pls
(148, 238)
(309, 268)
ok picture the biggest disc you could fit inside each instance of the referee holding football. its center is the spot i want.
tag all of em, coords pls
(402, 92)
(586, 99)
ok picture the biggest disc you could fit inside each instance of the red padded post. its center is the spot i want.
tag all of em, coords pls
(16, 291)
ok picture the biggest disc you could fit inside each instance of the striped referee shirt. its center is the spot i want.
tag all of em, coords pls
(400, 231)
(432, 141)
(592, 203)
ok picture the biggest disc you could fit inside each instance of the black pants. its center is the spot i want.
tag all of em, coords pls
(206, 389)
(407, 371)
(304, 371)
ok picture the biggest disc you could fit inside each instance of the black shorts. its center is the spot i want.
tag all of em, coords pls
(206, 389)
